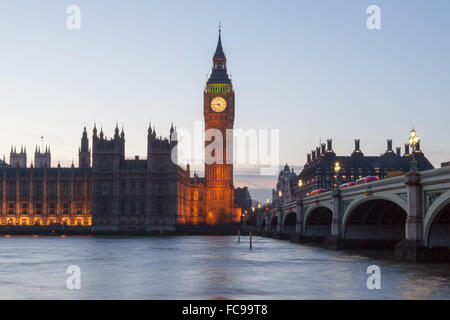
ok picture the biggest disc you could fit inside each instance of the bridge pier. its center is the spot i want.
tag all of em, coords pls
(298, 236)
(412, 247)
(276, 234)
(335, 240)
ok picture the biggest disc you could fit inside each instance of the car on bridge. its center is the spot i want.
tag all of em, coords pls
(367, 179)
(317, 191)
(348, 184)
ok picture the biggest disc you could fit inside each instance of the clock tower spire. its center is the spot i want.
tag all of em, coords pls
(218, 109)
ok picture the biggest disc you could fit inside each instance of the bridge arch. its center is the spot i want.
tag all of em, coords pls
(289, 222)
(437, 222)
(375, 218)
(273, 224)
(317, 223)
(263, 226)
(362, 198)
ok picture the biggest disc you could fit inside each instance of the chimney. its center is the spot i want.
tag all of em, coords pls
(323, 148)
(357, 145)
(389, 145)
(406, 149)
(399, 151)
(308, 157)
(329, 145)
(313, 153)
(317, 152)
(418, 148)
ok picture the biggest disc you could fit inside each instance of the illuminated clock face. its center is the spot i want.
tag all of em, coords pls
(218, 104)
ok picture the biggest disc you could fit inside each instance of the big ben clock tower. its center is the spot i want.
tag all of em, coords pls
(219, 117)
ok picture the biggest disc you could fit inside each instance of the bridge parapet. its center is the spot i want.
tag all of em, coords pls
(422, 197)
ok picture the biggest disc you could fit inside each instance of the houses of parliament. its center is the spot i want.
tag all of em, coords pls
(108, 192)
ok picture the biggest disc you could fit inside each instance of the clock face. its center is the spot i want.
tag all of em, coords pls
(218, 104)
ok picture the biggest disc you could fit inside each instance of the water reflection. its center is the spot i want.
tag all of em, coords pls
(206, 268)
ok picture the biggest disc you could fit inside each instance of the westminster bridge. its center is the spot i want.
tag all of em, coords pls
(410, 213)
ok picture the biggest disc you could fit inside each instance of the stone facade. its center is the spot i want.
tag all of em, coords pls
(318, 172)
(125, 195)
(134, 194)
(45, 196)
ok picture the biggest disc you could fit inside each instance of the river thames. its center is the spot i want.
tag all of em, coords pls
(195, 267)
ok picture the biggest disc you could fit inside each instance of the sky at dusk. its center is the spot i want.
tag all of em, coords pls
(311, 69)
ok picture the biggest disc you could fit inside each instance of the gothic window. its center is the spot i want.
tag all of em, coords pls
(37, 190)
(78, 190)
(65, 189)
(79, 208)
(52, 189)
(12, 190)
(105, 188)
(52, 208)
(24, 190)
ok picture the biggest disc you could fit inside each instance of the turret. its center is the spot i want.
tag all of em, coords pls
(84, 153)
(42, 159)
(18, 160)
(107, 153)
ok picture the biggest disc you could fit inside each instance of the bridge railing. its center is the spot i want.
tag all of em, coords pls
(436, 173)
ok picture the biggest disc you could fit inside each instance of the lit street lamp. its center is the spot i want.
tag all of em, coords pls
(413, 142)
(337, 168)
(280, 194)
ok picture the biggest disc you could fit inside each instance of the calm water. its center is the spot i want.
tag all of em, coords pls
(204, 268)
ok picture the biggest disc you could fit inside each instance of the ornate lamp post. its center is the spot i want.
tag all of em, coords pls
(300, 185)
(280, 194)
(337, 168)
(413, 142)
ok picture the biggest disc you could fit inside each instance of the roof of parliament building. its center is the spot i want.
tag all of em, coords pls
(323, 159)
(50, 173)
